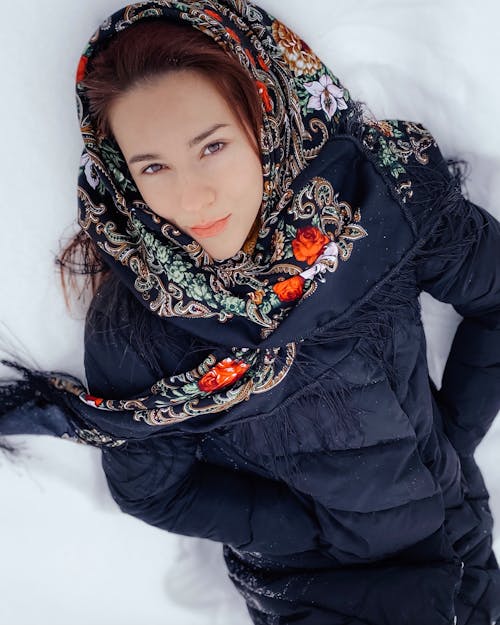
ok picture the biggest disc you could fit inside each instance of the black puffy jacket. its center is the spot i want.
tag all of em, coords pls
(348, 494)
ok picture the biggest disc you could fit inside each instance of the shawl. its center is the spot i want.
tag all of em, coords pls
(260, 304)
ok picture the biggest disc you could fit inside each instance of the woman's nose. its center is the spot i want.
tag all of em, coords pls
(195, 195)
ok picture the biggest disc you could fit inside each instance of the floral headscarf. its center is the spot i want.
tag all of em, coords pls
(257, 303)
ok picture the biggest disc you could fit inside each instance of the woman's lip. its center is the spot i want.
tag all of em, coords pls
(213, 229)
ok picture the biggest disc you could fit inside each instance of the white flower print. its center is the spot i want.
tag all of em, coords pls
(329, 256)
(325, 95)
(90, 173)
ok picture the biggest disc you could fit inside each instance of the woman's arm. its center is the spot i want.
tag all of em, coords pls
(161, 481)
(461, 266)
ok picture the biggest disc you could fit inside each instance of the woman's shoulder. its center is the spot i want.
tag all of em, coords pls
(409, 157)
(402, 148)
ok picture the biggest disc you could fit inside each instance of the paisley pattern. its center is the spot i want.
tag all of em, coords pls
(301, 237)
(394, 143)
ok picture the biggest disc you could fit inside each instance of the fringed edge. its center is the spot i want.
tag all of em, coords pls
(371, 320)
(10, 388)
(34, 390)
(280, 441)
(33, 385)
(17, 392)
(453, 229)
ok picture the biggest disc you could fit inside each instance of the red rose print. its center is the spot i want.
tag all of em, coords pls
(309, 243)
(222, 374)
(290, 289)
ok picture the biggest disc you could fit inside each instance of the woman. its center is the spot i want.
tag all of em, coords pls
(254, 352)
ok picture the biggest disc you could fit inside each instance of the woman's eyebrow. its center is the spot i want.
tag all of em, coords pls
(198, 139)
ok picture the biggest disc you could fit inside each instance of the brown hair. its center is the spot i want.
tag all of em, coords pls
(135, 57)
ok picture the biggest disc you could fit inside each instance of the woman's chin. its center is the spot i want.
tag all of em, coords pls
(220, 255)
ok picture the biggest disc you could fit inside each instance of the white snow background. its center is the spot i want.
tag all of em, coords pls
(67, 553)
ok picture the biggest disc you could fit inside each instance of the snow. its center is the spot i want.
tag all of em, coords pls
(68, 553)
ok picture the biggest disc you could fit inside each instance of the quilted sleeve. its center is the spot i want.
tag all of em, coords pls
(162, 483)
(161, 480)
(459, 263)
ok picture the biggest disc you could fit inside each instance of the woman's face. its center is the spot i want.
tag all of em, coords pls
(187, 171)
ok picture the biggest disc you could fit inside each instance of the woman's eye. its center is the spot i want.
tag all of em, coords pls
(145, 171)
(218, 144)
